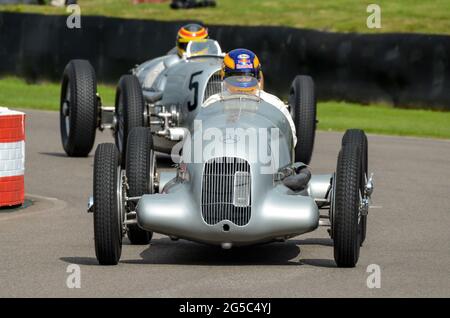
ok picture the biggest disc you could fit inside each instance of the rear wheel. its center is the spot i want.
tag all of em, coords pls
(129, 110)
(78, 108)
(140, 168)
(346, 227)
(302, 103)
(108, 211)
(359, 138)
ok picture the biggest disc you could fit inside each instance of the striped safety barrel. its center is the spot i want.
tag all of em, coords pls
(12, 157)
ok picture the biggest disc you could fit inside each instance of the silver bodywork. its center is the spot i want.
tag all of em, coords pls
(235, 181)
(227, 197)
(200, 202)
(177, 87)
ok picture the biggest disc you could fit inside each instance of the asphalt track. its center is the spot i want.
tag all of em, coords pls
(408, 234)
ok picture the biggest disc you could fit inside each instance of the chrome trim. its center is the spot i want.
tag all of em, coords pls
(90, 205)
(214, 86)
(223, 180)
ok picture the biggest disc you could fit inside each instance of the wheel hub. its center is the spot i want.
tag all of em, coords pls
(364, 206)
(121, 195)
(66, 108)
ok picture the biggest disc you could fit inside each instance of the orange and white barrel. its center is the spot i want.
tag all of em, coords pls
(12, 157)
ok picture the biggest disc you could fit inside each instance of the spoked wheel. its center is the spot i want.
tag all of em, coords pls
(345, 212)
(140, 168)
(302, 103)
(358, 137)
(129, 111)
(108, 205)
(78, 108)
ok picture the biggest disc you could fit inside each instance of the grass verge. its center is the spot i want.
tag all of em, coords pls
(335, 116)
(15, 92)
(380, 119)
(328, 15)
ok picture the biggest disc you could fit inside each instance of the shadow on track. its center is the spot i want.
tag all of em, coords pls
(166, 251)
(55, 154)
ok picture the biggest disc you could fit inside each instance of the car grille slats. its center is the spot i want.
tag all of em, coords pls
(214, 86)
(226, 191)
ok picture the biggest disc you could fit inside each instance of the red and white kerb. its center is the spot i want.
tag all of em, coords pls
(12, 157)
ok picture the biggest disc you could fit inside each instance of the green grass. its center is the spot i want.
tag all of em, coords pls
(331, 15)
(336, 116)
(15, 92)
(380, 119)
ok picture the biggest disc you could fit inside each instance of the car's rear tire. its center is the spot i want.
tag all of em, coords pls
(78, 108)
(108, 215)
(346, 215)
(140, 165)
(129, 111)
(358, 137)
(302, 103)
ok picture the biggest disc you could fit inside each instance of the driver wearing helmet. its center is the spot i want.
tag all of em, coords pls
(244, 64)
(187, 33)
(190, 33)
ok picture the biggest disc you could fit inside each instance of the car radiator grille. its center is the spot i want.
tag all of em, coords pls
(214, 86)
(226, 191)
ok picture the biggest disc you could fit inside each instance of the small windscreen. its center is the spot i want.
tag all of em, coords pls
(246, 85)
(241, 92)
(204, 47)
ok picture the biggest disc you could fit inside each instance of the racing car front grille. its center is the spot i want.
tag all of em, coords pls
(226, 191)
(214, 86)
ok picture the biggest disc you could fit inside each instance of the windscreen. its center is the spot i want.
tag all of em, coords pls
(241, 92)
(204, 47)
(245, 85)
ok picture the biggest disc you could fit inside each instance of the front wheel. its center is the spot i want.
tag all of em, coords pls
(140, 168)
(129, 110)
(78, 108)
(108, 211)
(359, 138)
(302, 104)
(346, 218)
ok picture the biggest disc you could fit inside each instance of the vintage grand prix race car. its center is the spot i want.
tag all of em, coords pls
(164, 94)
(237, 183)
(149, 96)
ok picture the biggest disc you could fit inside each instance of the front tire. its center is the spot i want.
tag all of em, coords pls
(346, 215)
(108, 216)
(129, 110)
(140, 167)
(78, 108)
(302, 103)
(359, 138)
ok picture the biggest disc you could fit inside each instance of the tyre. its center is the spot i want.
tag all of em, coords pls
(140, 167)
(108, 213)
(302, 103)
(129, 110)
(78, 108)
(358, 137)
(346, 216)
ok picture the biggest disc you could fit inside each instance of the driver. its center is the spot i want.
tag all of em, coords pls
(187, 33)
(245, 63)
(190, 32)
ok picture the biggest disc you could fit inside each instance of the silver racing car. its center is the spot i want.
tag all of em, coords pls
(237, 180)
(164, 94)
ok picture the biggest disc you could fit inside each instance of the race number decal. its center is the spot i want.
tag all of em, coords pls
(193, 85)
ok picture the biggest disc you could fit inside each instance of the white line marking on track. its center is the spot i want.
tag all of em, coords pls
(55, 205)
